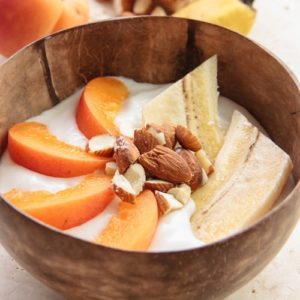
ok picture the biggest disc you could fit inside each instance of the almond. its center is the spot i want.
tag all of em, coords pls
(127, 14)
(158, 11)
(131, 184)
(194, 166)
(158, 185)
(126, 153)
(110, 168)
(123, 188)
(121, 6)
(204, 161)
(166, 202)
(167, 129)
(187, 139)
(159, 136)
(164, 163)
(204, 178)
(172, 6)
(142, 7)
(181, 193)
(102, 145)
(136, 177)
(144, 140)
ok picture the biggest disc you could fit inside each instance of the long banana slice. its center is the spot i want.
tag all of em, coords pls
(192, 102)
(248, 194)
(240, 138)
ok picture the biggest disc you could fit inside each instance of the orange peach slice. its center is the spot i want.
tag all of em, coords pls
(67, 208)
(134, 225)
(23, 21)
(32, 146)
(99, 105)
(75, 12)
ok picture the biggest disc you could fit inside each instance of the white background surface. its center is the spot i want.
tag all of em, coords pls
(278, 29)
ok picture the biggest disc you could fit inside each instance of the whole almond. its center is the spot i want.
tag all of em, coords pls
(144, 140)
(187, 139)
(194, 166)
(168, 130)
(126, 153)
(164, 163)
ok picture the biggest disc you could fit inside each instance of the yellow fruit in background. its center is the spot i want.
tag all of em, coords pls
(232, 14)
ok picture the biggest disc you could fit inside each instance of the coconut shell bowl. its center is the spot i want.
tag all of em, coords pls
(154, 50)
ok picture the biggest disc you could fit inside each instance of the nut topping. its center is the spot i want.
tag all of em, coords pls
(204, 178)
(181, 193)
(102, 145)
(204, 161)
(126, 153)
(158, 185)
(144, 140)
(167, 202)
(127, 14)
(123, 188)
(164, 163)
(142, 7)
(110, 168)
(121, 6)
(195, 167)
(150, 162)
(129, 185)
(168, 130)
(136, 177)
(187, 139)
(158, 11)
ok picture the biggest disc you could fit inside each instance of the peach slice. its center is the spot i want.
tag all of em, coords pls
(67, 208)
(99, 105)
(134, 225)
(75, 12)
(23, 21)
(32, 146)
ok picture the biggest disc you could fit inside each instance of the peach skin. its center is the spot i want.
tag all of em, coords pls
(32, 146)
(99, 105)
(67, 208)
(22, 22)
(134, 226)
(75, 12)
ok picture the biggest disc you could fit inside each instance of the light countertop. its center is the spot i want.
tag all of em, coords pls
(278, 29)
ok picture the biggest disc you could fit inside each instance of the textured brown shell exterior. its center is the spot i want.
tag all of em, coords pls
(156, 50)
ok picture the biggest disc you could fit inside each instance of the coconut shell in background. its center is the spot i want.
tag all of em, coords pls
(156, 50)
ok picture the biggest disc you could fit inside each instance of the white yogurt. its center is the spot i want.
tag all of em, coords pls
(174, 231)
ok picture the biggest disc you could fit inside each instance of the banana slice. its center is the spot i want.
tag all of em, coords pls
(232, 14)
(254, 182)
(240, 138)
(193, 103)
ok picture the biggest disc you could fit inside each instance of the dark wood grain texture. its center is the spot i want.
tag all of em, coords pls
(153, 50)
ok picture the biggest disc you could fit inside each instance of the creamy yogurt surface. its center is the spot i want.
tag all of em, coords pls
(174, 230)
